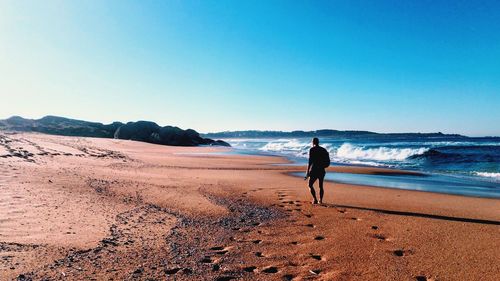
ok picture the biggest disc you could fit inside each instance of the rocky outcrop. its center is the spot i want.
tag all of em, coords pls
(145, 131)
(151, 132)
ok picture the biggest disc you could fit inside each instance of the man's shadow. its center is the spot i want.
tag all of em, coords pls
(413, 214)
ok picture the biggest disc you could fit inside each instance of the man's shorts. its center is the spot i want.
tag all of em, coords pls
(315, 175)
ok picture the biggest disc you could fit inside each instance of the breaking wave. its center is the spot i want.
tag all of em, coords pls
(494, 176)
(346, 152)
(349, 151)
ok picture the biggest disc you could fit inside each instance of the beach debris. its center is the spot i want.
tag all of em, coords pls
(315, 271)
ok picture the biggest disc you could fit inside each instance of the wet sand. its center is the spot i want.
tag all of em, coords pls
(101, 209)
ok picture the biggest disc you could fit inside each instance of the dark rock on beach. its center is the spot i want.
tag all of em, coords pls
(151, 132)
(145, 131)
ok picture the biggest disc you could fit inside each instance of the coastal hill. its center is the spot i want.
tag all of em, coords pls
(323, 133)
(145, 131)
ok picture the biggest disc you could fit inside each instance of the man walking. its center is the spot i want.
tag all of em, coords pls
(319, 159)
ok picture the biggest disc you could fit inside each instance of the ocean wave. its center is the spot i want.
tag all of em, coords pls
(479, 160)
(292, 147)
(460, 154)
(430, 154)
(495, 176)
(346, 153)
(349, 151)
(284, 145)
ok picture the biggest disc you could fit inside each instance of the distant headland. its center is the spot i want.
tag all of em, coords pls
(145, 131)
(323, 133)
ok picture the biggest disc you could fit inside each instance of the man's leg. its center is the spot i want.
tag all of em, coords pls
(312, 179)
(321, 191)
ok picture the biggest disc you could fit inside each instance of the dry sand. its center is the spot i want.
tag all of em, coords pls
(101, 209)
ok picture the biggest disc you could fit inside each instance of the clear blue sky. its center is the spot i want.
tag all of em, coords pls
(387, 66)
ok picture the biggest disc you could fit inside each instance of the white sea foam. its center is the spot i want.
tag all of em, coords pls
(292, 146)
(360, 162)
(495, 176)
(284, 145)
(349, 151)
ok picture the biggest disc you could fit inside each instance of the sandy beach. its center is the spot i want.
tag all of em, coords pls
(76, 208)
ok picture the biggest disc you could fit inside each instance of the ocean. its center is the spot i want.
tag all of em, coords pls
(453, 165)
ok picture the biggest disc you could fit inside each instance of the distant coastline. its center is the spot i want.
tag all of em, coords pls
(328, 133)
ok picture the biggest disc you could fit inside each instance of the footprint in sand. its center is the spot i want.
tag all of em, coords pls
(316, 257)
(249, 269)
(172, 271)
(206, 259)
(270, 269)
(259, 254)
(399, 253)
(379, 237)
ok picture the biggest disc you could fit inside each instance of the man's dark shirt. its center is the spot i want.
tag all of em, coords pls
(315, 160)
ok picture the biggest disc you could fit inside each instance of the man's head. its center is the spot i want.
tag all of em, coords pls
(315, 141)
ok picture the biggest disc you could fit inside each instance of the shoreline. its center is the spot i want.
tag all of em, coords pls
(128, 210)
(402, 155)
(494, 197)
(446, 179)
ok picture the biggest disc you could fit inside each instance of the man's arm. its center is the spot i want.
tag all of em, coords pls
(308, 166)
